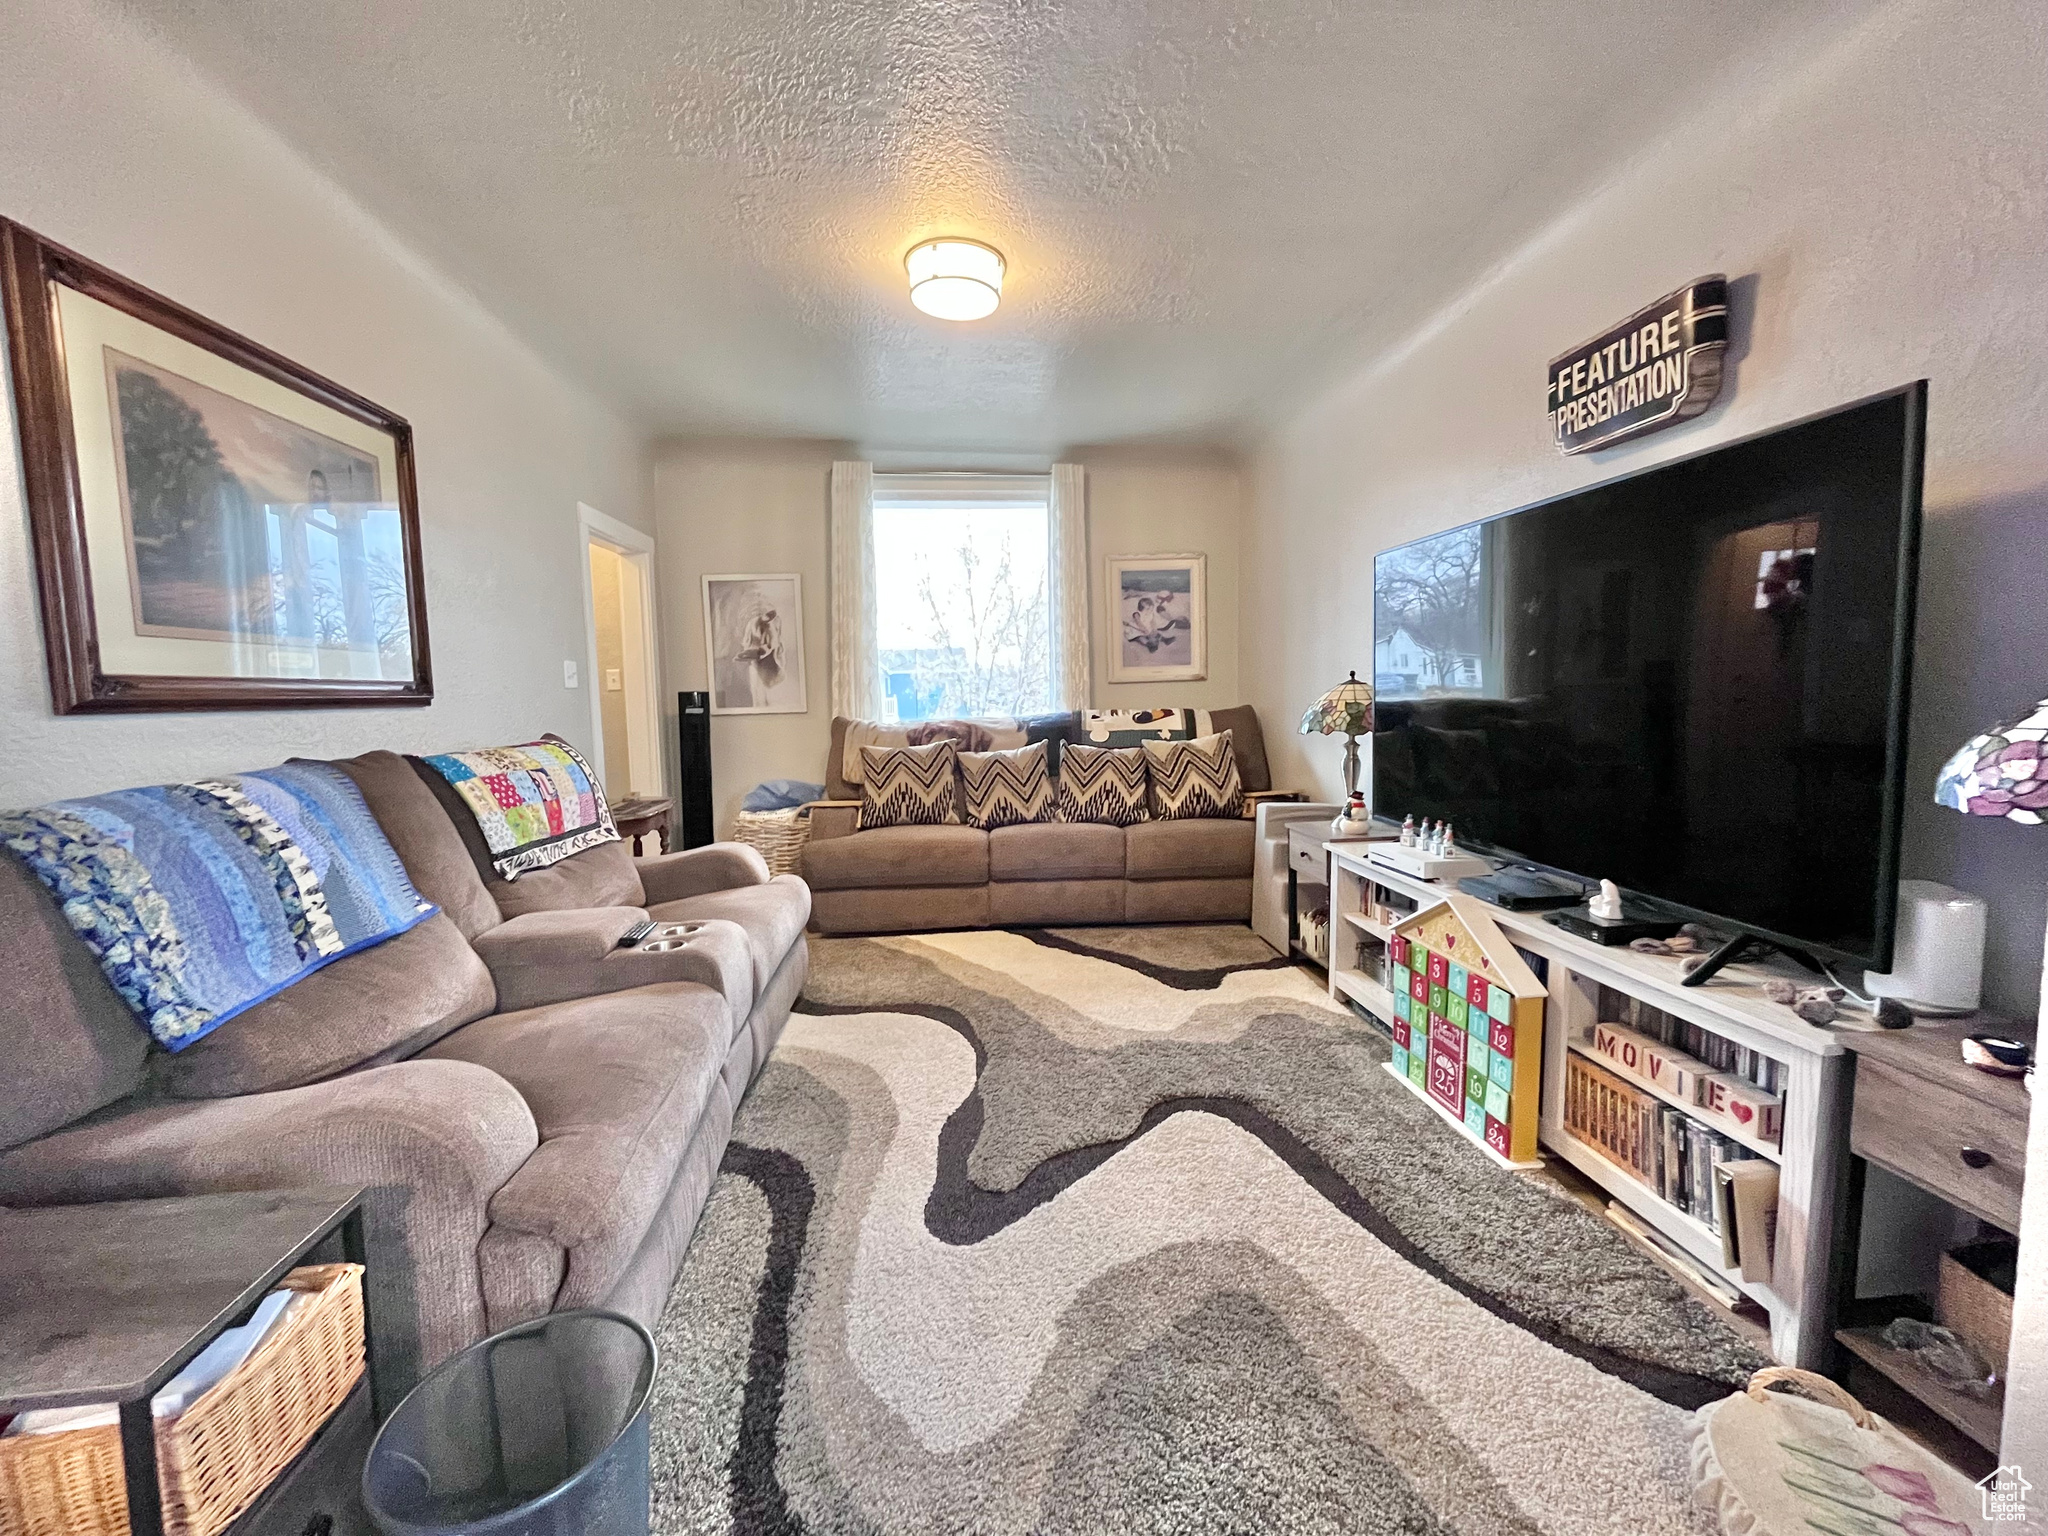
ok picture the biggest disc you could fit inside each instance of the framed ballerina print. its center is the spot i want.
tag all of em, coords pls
(754, 644)
(214, 526)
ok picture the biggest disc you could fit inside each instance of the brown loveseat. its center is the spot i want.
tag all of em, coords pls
(539, 1114)
(905, 879)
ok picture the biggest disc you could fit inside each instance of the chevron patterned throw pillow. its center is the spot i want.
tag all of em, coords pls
(1104, 784)
(1005, 789)
(1194, 778)
(908, 786)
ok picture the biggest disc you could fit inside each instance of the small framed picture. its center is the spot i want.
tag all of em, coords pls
(215, 526)
(754, 644)
(1159, 618)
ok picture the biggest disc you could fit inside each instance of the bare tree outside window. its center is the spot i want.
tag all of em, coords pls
(962, 601)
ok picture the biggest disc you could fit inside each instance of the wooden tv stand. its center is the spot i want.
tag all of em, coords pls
(1811, 1154)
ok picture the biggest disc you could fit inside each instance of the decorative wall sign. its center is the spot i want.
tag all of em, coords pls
(215, 527)
(1655, 369)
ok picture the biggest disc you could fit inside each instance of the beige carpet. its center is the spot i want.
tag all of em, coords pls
(1108, 1230)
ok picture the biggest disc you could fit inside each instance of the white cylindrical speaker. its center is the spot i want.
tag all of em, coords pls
(1938, 952)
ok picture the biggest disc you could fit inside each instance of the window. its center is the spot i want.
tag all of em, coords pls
(962, 596)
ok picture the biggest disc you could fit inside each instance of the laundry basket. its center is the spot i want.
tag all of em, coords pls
(778, 836)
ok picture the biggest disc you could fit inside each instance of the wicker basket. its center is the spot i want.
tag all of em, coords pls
(778, 836)
(215, 1457)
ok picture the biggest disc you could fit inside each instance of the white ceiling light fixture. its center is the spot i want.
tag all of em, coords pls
(955, 279)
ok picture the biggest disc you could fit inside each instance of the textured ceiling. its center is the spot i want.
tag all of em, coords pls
(701, 209)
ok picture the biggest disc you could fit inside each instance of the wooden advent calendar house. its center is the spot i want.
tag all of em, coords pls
(1468, 1025)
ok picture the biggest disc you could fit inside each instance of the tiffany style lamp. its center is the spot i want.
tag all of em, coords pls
(1347, 710)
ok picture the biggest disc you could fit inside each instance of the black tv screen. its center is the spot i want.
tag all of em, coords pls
(1691, 680)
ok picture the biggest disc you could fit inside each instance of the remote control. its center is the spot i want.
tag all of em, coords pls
(636, 933)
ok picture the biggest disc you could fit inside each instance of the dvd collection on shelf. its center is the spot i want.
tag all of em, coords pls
(1674, 1154)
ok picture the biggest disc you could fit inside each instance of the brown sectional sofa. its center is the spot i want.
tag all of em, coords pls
(908, 879)
(539, 1114)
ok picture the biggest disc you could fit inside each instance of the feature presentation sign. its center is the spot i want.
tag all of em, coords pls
(1656, 368)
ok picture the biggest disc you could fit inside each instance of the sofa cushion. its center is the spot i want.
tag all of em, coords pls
(1056, 850)
(1103, 784)
(1180, 850)
(379, 1004)
(617, 1085)
(1193, 779)
(1248, 741)
(603, 876)
(909, 786)
(772, 915)
(428, 843)
(72, 1044)
(1007, 789)
(898, 856)
(551, 957)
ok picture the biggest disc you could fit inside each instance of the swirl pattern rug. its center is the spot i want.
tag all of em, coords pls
(1124, 1230)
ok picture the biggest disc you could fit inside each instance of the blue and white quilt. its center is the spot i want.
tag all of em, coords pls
(201, 900)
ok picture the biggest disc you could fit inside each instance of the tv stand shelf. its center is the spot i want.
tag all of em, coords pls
(1812, 1150)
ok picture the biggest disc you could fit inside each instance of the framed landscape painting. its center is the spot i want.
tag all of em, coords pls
(754, 644)
(1159, 618)
(214, 526)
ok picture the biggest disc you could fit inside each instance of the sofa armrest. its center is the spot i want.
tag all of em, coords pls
(699, 871)
(1255, 798)
(574, 935)
(433, 1140)
(833, 818)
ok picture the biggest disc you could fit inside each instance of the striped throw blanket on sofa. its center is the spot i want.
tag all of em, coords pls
(201, 900)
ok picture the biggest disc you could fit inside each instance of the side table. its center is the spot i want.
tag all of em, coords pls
(1927, 1117)
(637, 818)
(106, 1303)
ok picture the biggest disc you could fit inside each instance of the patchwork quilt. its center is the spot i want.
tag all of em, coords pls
(536, 803)
(201, 900)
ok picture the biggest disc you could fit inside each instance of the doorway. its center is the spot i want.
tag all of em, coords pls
(625, 698)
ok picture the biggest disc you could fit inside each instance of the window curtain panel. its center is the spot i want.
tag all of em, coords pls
(856, 659)
(1067, 566)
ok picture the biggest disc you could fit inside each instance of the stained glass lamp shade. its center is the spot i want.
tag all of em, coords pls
(2003, 772)
(1345, 710)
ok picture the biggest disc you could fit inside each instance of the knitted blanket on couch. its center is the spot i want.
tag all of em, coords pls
(201, 900)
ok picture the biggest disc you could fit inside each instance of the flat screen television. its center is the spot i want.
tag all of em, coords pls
(1691, 680)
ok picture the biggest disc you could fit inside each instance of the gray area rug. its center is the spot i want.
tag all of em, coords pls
(1107, 1230)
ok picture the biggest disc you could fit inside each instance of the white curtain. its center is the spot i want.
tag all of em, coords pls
(856, 662)
(1067, 566)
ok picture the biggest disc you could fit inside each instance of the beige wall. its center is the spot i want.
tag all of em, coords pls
(124, 154)
(1165, 502)
(605, 575)
(749, 504)
(734, 506)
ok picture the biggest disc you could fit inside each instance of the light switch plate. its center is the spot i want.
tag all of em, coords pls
(613, 681)
(568, 674)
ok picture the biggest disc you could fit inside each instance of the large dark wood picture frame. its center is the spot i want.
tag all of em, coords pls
(33, 272)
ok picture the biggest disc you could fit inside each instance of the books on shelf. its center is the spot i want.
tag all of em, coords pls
(1746, 1213)
(1721, 1098)
(1667, 1149)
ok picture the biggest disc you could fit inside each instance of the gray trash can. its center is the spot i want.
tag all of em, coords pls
(538, 1431)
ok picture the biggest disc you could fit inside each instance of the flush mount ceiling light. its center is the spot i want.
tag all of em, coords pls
(955, 279)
